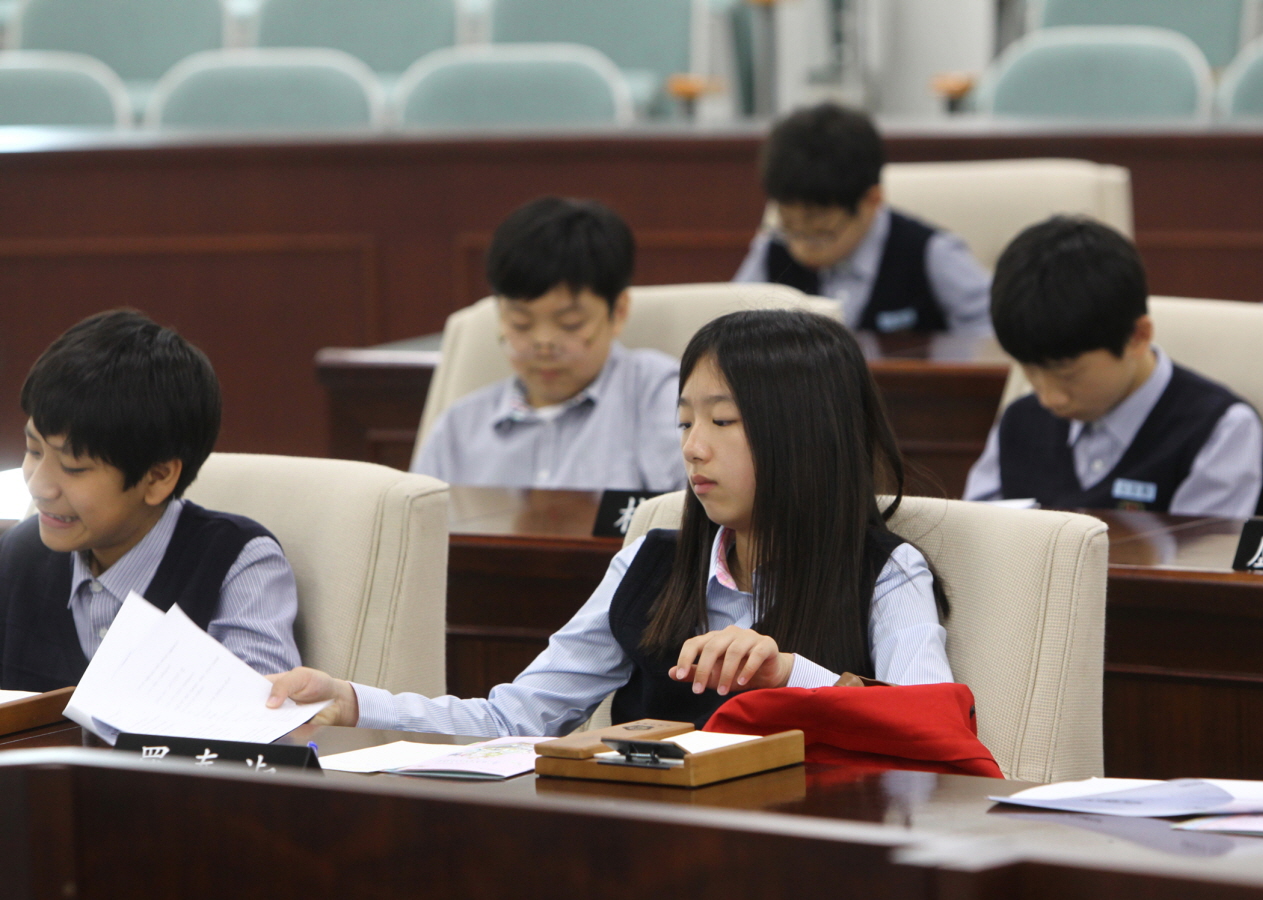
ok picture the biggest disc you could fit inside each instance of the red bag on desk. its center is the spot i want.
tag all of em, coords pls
(926, 727)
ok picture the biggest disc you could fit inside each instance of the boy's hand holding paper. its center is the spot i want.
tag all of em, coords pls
(157, 673)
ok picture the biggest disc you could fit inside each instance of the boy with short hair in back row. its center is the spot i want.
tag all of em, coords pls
(122, 415)
(834, 236)
(1112, 422)
(582, 412)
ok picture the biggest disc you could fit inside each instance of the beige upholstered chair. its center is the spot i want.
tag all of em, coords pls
(988, 202)
(663, 317)
(1217, 338)
(1027, 629)
(369, 549)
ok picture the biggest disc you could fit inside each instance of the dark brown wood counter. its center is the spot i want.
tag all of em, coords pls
(263, 251)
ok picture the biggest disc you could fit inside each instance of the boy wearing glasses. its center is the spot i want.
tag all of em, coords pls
(582, 412)
(834, 236)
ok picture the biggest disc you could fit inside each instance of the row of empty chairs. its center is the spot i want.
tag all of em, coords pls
(140, 40)
(556, 85)
(1118, 72)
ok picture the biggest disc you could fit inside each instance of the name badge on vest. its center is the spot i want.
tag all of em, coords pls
(896, 319)
(1249, 556)
(1134, 492)
(614, 515)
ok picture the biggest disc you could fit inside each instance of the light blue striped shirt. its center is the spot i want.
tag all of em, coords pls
(583, 662)
(620, 432)
(257, 602)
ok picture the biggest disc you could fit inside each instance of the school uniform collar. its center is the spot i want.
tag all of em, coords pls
(135, 568)
(719, 550)
(865, 259)
(1124, 420)
(513, 406)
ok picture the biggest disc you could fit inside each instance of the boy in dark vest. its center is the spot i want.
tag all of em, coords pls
(834, 236)
(1112, 422)
(122, 414)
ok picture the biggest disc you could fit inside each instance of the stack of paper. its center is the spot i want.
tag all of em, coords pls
(494, 760)
(157, 673)
(1140, 797)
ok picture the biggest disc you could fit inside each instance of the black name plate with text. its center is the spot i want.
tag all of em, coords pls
(1249, 556)
(260, 758)
(615, 513)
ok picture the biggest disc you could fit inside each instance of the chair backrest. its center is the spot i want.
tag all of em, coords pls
(268, 89)
(368, 545)
(138, 39)
(49, 88)
(1027, 628)
(1214, 25)
(1240, 92)
(560, 85)
(388, 35)
(1216, 338)
(1107, 72)
(649, 39)
(988, 202)
(663, 317)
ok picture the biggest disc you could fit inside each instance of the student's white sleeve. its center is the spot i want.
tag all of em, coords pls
(961, 286)
(983, 482)
(754, 266)
(909, 646)
(559, 690)
(257, 605)
(438, 454)
(1227, 473)
(660, 461)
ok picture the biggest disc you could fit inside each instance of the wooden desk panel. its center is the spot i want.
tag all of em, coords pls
(265, 250)
(99, 824)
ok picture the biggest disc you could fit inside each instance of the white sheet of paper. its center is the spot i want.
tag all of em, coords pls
(701, 741)
(175, 679)
(383, 756)
(1139, 797)
(10, 696)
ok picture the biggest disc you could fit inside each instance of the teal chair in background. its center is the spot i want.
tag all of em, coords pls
(43, 89)
(512, 86)
(1214, 25)
(303, 89)
(1105, 73)
(1240, 94)
(388, 35)
(650, 40)
(138, 39)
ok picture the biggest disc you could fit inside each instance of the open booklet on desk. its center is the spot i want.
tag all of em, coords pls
(158, 673)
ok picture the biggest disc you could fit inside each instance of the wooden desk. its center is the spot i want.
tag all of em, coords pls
(941, 395)
(1183, 672)
(262, 250)
(102, 825)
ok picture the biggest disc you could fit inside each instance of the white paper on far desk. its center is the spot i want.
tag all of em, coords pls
(158, 673)
(384, 756)
(1140, 797)
(10, 696)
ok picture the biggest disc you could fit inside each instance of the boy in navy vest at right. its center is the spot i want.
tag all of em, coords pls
(1113, 423)
(835, 237)
(122, 415)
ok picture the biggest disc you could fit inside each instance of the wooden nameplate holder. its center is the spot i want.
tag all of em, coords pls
(574, 756)
(33, 712)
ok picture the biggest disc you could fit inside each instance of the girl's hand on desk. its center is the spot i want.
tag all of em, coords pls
(304, 685)
(734, 659)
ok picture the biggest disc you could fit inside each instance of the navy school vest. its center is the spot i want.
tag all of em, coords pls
(901, 298)
(39, 647)
(1036, 461)
(651, 692)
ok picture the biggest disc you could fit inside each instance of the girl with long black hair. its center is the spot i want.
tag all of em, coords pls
(783, 572)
